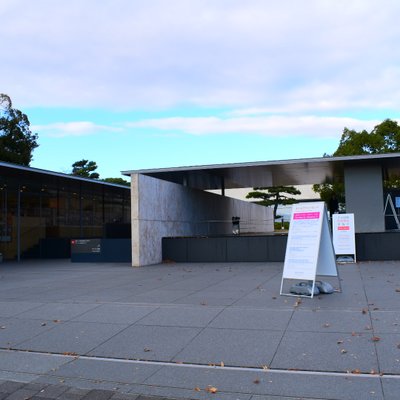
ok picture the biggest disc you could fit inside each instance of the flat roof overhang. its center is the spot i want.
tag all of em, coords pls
(270, 173)
(51, 177)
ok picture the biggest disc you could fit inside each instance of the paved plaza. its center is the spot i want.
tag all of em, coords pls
(196, 331)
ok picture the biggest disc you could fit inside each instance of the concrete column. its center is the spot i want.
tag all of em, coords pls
(364, 196)
(135, 219)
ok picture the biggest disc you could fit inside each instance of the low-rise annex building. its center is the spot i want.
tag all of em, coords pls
(41, 211)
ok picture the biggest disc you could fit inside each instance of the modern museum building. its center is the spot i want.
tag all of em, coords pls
(184, 214)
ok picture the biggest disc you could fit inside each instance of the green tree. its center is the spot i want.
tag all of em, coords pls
(384, 138)
(332, 194)
(85, 169)
(273, 196)
(17, 142)
(118, 181)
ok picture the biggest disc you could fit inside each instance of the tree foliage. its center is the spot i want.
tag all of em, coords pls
(17, 142)
(85, 169)
(332, 194)
(384, 138)
(274, 196)
(118, 181)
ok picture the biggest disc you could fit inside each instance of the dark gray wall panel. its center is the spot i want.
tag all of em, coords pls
(175, 249)
(369, 247)
(206, 249)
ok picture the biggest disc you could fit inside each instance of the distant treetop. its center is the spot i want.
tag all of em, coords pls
(17, 142)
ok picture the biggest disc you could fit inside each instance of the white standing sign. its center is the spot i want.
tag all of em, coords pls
(343, 234)
(309, 249)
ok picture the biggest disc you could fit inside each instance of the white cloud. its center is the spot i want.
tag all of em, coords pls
(305, 54)
(309, 126)
(77, 128)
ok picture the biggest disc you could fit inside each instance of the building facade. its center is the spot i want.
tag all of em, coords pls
(41, 211)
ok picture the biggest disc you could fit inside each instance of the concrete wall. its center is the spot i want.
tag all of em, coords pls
(364, 197)
(164, 209)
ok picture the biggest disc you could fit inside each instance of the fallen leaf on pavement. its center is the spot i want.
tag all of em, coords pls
(373, 372)
(211, 389)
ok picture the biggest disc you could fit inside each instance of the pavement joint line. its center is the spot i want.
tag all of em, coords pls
(218, 367)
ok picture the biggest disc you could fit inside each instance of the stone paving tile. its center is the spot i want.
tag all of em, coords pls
(157, 296)
(391, 388)
(266, 301)
(16, 330)
(57, 311)
(336, 352)
(282, 398)
(21, 361)
(98, 395)
(386, 321)
(71, 337)
(73, 393)
(17, 376)
(248, 382)
(167, 392)
(231, 347)
(388, 349)
(10, 386)
(52, 391)
(107, 370)
(159, 343)
(116, 313)
(125, 396)
(195, 316)
(12, 309)
(21, 394)
(239, 318)
(330, 321)
(204, 300)
(352, 301)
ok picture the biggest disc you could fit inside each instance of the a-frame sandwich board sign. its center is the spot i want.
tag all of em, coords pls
(309, 249)
(344, 241)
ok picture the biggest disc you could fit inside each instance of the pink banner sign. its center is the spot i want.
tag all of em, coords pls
(306, 215)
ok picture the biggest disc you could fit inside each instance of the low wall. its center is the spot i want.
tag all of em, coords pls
(379, 246)
(225, 249)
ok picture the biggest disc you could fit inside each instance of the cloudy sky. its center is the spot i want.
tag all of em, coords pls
(135, 84)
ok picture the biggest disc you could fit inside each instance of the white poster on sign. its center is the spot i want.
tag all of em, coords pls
(309, 249)
(343, 234)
